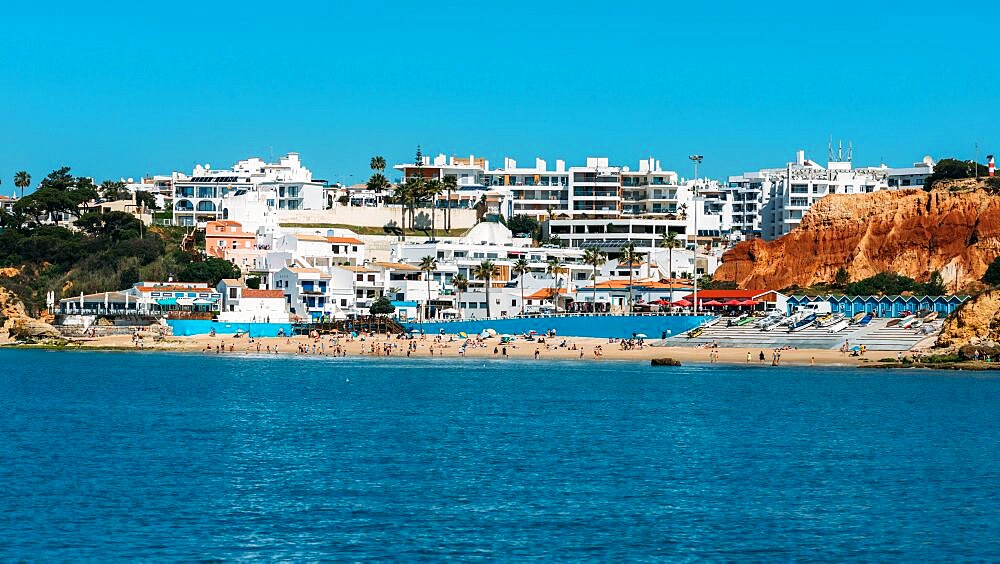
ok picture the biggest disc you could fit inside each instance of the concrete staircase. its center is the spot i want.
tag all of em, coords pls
(875, 336)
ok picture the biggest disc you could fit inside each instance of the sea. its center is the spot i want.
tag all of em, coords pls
(164, 457)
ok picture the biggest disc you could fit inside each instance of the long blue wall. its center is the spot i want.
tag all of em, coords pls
(603, 326)
(188, 327)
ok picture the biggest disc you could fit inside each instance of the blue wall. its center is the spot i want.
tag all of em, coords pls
(603, 326)
(188, 327)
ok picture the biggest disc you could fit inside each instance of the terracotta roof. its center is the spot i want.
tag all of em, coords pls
(397, 265)
(353, 268)
(313, 238)
(231, 235)
(226, 222)
(727, 294)
(299, 270)
(347, 240)
(251, 293)
(544, 294)
(231, 282)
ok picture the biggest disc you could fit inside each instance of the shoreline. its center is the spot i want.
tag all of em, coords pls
(329, 347)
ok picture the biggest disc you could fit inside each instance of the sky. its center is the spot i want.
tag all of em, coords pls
(125, 89)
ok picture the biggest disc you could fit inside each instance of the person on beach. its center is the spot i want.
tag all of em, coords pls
(761, 357)
(536, 354)
(748, 357)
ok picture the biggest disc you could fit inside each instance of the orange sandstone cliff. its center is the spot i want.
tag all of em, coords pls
(910, 232)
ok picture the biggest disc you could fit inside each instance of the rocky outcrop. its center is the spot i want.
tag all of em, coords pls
(910, 232)
(975, 322)
(18, 325)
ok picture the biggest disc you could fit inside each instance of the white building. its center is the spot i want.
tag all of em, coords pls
(247, 305)
(287, 185)
(771, 202)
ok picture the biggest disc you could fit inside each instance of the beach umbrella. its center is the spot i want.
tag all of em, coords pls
(491, 332)
(749, 302)
(463, 334)
(414, 330)
(641, 336)
(732, 303)
(711, 303)
(682, 303)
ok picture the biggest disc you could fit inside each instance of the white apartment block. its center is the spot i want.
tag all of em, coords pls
(198, 198)
(771, 202)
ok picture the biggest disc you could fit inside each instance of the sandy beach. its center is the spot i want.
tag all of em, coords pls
(558, 348)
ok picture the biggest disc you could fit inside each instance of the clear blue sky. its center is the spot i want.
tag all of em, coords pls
(118, 89)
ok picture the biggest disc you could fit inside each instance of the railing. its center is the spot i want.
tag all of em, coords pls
(561, 315)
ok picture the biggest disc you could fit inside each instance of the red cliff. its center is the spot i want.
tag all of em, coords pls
(910, 232)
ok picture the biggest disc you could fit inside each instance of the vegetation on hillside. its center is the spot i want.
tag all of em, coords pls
(105, 252)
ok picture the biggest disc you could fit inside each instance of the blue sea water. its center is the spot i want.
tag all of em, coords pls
(155, 456)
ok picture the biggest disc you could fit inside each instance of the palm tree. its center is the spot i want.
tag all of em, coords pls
(669, 241)
(629, 256)
(485, 272)
(408, 194)
(595, 258)
(433, 189)
(450, 183)
(461, 284)
(378, 164)
(22, 180)
(554, 267)
(521, 268)
(428, 264)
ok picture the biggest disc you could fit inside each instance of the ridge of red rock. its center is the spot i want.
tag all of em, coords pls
(910, 232)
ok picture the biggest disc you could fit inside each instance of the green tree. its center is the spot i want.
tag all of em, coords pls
(889, 283)
(934, 285)
(841, 279)
(485, 272)
(461, 284)
(113, 191)
(595, 258)
(432, 189)
(525, 224)
(629, 256)
(555, 268)
(253, 282)
(382, 306)
(58, 193)
(450, 183)
(950, 169)
(22, 180)
(428, 265)
(378, 164)
(211, 270)
(992, 276)
(520, 268)
(115, 225)
(146, 200)
(670, 242)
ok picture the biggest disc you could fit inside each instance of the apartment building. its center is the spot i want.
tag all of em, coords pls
(289, 185)
(771, 202)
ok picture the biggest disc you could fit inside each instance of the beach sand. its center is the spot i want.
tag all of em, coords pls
(519, 349)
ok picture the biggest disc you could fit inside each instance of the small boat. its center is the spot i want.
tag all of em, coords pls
(746, 321)
(803, 323)
(768, 320)
(893, 322)
(906, 321)
(858, 317)
(711, 322)
(822, 318)
(930, 317)
(829, 320)
(865, 320)
(838, 326)
(695, 332)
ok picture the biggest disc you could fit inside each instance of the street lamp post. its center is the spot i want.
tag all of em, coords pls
(696, 159)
